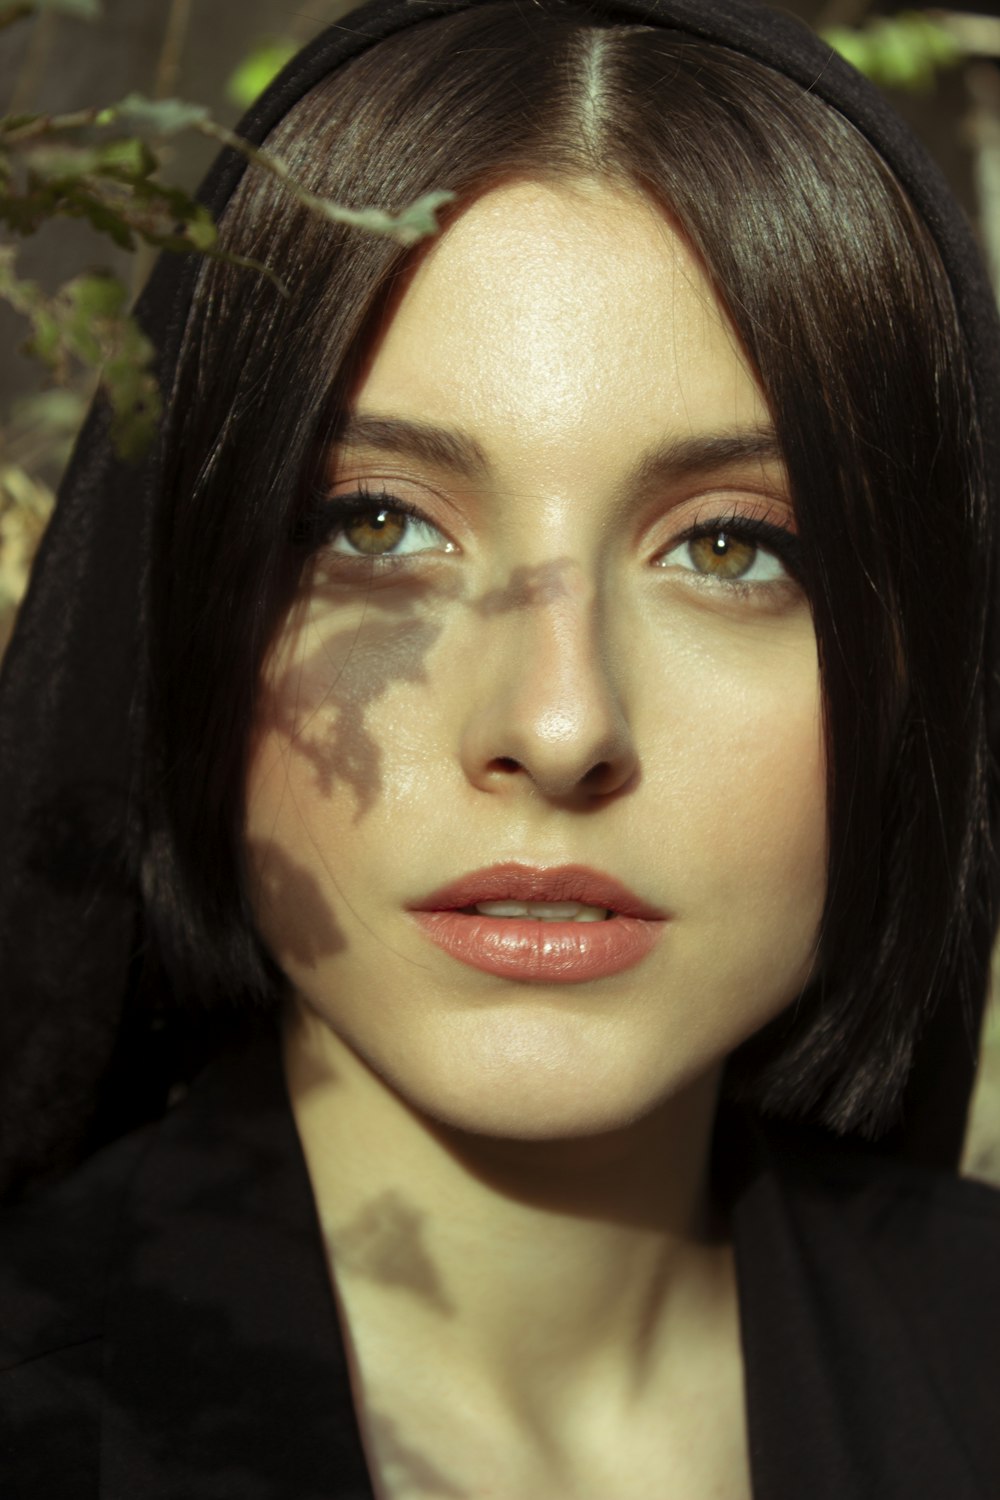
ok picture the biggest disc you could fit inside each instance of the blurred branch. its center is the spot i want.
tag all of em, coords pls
(976, 36)
(102, 165)
(173, 48)
(982, 82)
(164, 83)
(35, 60)
(408, 228)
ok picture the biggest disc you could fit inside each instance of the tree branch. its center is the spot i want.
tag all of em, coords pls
(173, 48)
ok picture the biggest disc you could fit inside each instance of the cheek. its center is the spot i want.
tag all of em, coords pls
(743, 790)
(332, 769)
(328, 693)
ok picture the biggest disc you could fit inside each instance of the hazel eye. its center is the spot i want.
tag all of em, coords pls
(743, 550)
(376, 534)
(365, 528)
(726, 556)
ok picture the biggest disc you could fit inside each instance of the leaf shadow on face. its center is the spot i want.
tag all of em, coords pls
(321, 702)
(309, 929)
(529, 587)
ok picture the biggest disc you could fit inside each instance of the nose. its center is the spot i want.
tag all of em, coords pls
(545, 707)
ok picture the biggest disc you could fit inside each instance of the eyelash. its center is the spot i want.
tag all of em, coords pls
(330, 517)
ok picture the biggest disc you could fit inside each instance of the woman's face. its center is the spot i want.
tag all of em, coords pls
(542, 669)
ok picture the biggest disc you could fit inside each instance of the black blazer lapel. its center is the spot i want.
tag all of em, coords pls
(840, 1400)
(226, 1371)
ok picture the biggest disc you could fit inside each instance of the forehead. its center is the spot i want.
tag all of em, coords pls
(549, 314)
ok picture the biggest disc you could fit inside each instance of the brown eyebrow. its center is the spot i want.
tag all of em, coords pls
(443, 447)
(679, 458)
(449, 448)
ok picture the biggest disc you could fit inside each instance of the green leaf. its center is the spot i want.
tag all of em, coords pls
(97, 296)
(14, 122)
(408, 228)
(156, 117)
(57, 412)
(904, 51)
(176, 203)
(63, 163)
(420, 220)
(24, 215)
(133, 424)
(852, 45)
(25, 296)
(126, 159)
(257, 70)
(201, 230)
(86, 321)
(46, 342)
(134, 394)
(107, 218)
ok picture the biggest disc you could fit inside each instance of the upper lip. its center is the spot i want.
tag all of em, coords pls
(516, 882)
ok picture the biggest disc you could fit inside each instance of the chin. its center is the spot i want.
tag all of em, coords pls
(527, 1113)
(545, 1081)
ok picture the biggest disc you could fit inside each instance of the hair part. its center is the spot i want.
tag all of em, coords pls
(837, 293)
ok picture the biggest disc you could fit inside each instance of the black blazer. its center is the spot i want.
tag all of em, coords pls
(168, 1332)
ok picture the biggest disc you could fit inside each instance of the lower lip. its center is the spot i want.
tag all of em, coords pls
(545, 952)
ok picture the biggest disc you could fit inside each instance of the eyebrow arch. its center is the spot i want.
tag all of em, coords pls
(444, 447)
(449, 448)
(680, 458)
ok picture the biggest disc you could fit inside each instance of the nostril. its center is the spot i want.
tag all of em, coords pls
(507, 763)
(598, 773)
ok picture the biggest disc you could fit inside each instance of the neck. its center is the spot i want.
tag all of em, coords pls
(548, 1275)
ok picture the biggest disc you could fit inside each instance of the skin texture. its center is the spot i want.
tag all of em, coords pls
(550, 678)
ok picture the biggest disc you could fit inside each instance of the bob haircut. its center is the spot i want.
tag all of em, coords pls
(838, 295)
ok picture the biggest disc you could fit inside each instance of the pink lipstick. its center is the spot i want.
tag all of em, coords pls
(615, 932)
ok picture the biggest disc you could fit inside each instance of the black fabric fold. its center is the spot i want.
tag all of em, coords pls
(225, 1368)
(847, 1386)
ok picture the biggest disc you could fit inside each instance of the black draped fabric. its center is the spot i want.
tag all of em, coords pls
(71, 702)
(168, 1330)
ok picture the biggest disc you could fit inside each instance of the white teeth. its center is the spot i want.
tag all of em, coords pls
(544, 911)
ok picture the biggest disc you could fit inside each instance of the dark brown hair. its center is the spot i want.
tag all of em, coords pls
(838, 295)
